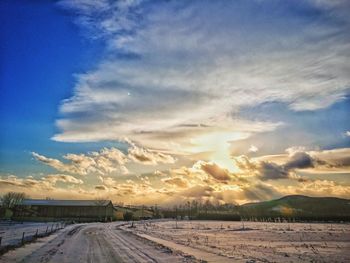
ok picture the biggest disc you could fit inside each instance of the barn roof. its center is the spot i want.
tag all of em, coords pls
(44, 202)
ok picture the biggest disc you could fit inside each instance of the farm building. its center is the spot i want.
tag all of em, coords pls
(138, 213)
(77, 210)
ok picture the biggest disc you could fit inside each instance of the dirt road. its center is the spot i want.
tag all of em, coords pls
(98, 242)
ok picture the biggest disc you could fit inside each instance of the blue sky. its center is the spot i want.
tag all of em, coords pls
(38, 59)
(128, 90)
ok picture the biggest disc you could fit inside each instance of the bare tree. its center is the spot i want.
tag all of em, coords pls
(12, 199)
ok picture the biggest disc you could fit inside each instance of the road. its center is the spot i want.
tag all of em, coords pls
(96, 242)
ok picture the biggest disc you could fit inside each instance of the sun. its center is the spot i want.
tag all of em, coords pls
(217, 144)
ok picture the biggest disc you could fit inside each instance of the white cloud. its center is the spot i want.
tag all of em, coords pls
(103, 162)
(145, 156)
(176, 181)
(253, 149)
(54, 178)
(191, 66)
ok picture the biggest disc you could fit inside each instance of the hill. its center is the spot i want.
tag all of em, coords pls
(300, 207)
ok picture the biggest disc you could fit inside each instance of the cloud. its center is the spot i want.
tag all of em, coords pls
(198, 191)
(45, 183)
(101, 187)
(253, 149)
(103, 162)
(272, 171)
(318, 188)
(145, 156)
(57, 164)
(267, 170)
(53, 178)
(169, 67)
(215, 171)
(176, 181)
(160, 173)
(283, 166)
(299, 160)
(13, 180)
(256, 179)
(108, 181)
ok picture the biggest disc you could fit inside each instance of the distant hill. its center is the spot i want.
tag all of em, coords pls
(300, 207)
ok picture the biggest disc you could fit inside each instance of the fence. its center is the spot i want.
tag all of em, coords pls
(16, 234)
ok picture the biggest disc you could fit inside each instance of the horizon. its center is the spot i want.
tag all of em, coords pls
(163, 102)
(159, 206)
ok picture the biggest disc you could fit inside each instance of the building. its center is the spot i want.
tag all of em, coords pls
(138, 212)
(67, 210)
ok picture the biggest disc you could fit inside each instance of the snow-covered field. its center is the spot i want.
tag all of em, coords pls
(12, 232)
(255, 242)
(188, 241)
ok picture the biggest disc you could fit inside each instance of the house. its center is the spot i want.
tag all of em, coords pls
(72, 210)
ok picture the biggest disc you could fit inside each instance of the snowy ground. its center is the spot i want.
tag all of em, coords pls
(12, 232)
(257, 242)
(94, 242)
(190, 241)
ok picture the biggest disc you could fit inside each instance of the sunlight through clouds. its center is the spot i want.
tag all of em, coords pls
(220, 101)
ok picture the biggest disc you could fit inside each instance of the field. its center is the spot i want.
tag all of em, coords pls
(186, 241)
(254, 241)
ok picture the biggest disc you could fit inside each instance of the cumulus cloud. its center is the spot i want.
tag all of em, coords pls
(198, 191)
(283, 166)
(299, 160)
(273, 171)
(45, 183)
(160, 173)
(253, 149)
(145, 156)
(215, 171)
(103, 162)
(269, 170)
(29, 182)
(53, 178)
(108, 181)
(318, 188)
(177, 181)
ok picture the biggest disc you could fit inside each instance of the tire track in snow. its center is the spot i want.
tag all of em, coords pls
(96, 242)
(134, 252)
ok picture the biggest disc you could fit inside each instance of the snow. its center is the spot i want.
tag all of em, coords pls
(11, 232)
(189, 241)
(279, 242)
(94, 242)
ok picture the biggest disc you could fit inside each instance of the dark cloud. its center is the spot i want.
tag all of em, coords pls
(100, 187)
(299, 160)
(216, 171)
(268, 170)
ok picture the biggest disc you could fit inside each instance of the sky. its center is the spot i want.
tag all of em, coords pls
(160, 102)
